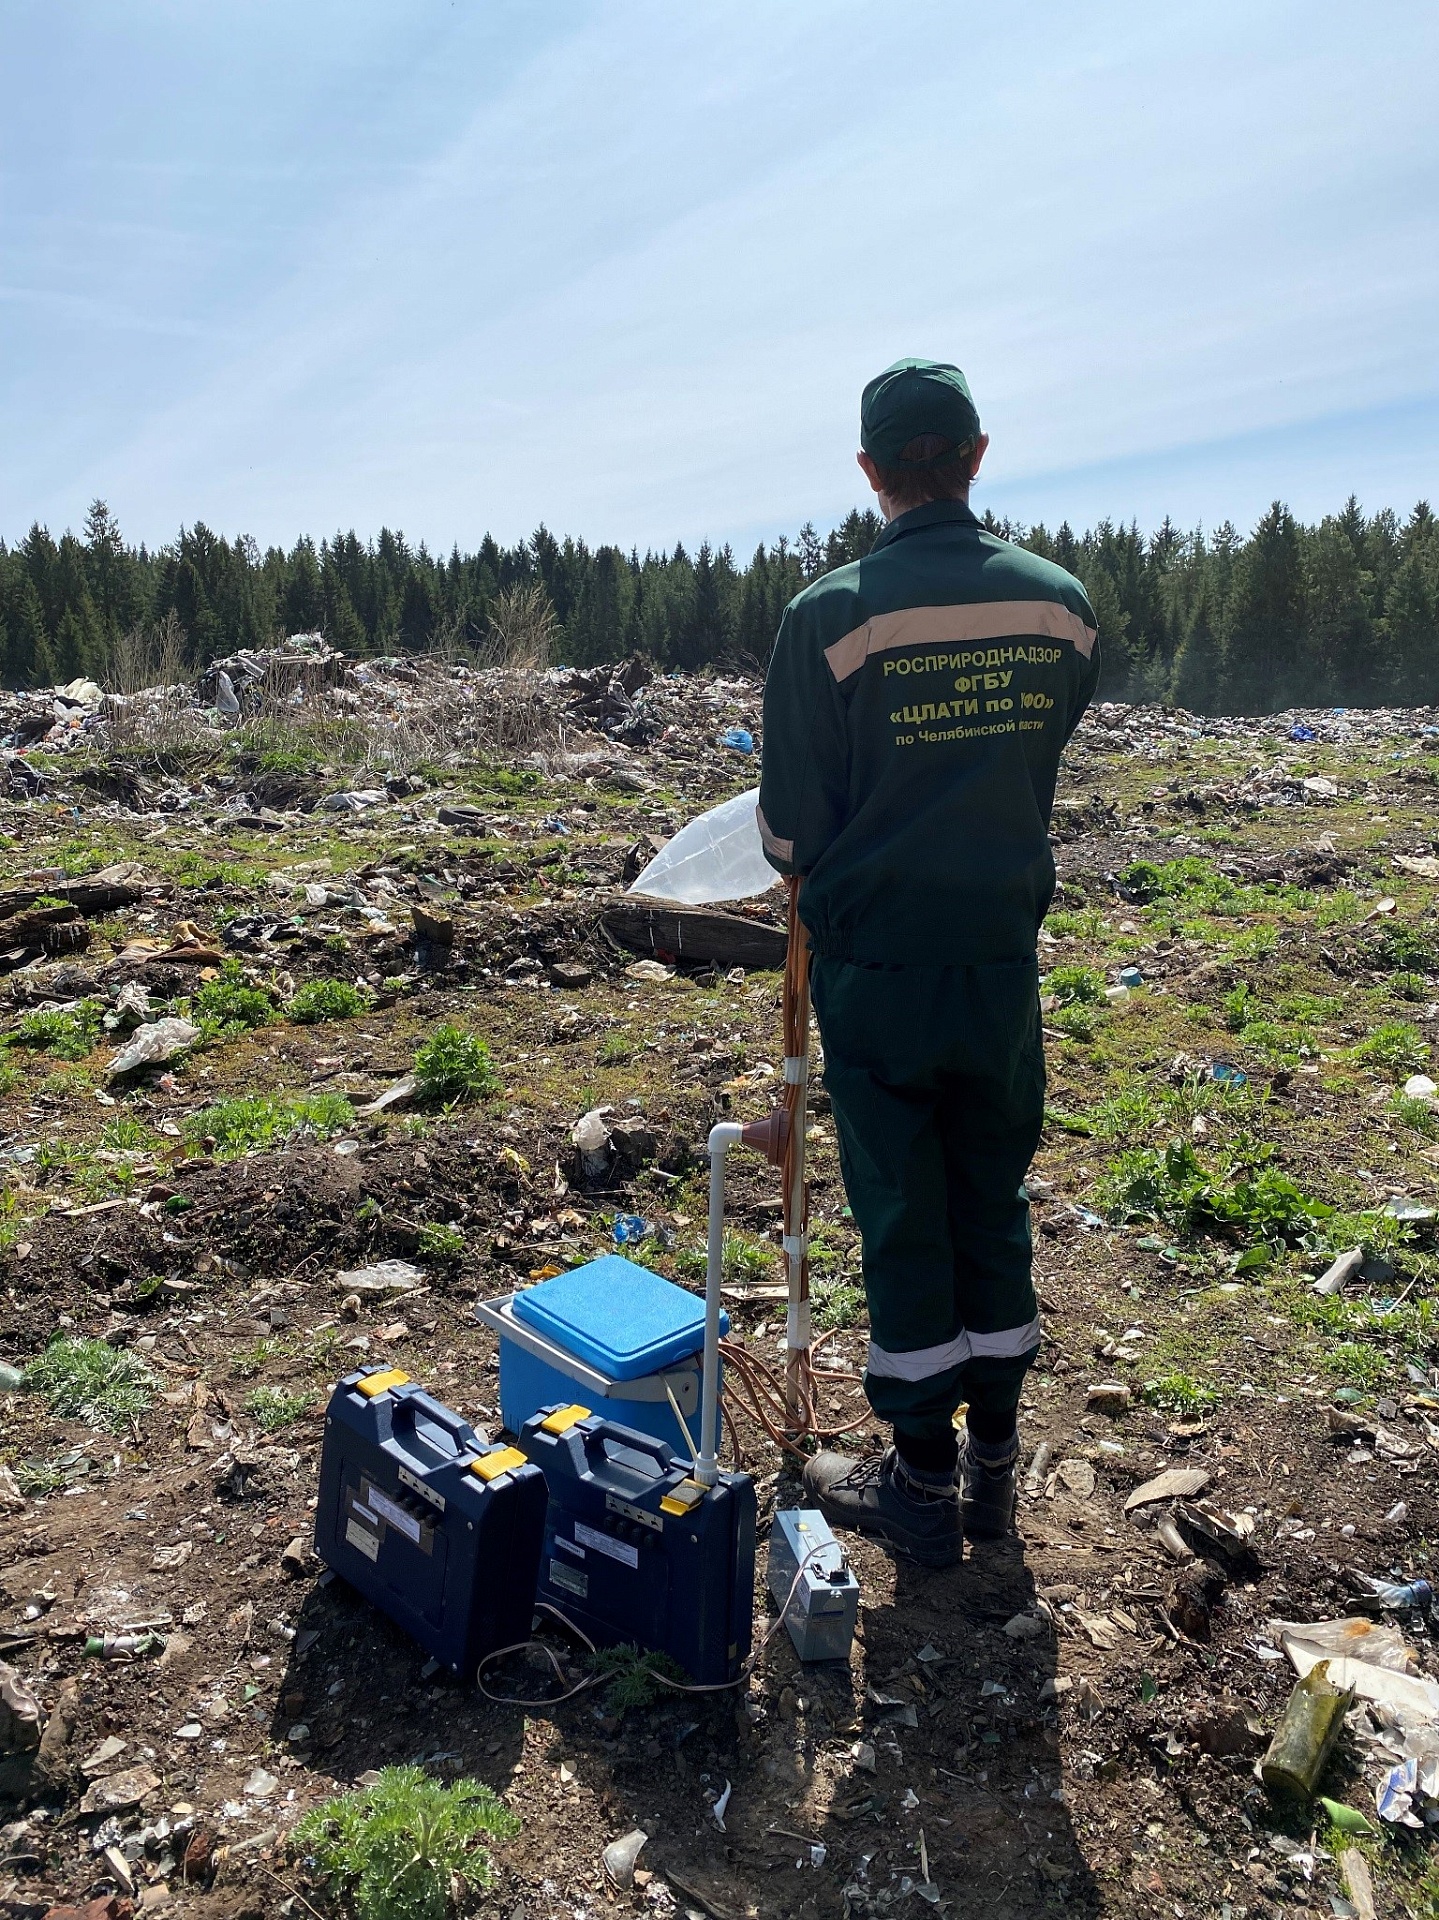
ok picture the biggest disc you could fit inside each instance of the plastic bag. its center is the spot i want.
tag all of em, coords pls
(161, 1040)
(717, 857)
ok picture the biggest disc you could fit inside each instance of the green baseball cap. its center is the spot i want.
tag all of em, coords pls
(914, 397)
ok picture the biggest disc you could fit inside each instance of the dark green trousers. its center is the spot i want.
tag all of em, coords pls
(937, 1080)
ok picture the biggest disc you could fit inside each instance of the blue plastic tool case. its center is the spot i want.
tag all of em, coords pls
(610, 1332)
(435, 1527)
(636, 1550)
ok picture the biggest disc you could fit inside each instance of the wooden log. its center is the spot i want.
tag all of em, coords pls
(118, 886)
(56, 929)
(697, 935)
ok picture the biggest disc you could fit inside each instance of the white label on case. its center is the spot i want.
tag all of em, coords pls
(604, 1543)
(395, 1514)
(569, 1580)
(368, 1543)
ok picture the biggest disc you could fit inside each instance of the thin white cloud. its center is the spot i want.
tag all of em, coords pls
(632, 283)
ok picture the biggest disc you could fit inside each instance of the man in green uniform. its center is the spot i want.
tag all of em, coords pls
(917, 704)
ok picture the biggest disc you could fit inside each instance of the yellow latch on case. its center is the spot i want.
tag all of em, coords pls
(490, 1466)
(563, 1418)
(376, 1383)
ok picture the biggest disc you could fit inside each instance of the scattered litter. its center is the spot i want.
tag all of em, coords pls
(1077, 1476)
(629, 1228)
(1348, 1819)
(1391, 1596)
(1340, 1271)
(738, 739)
(149, 1045)
(620, 1855)
(721, 1806)
(1224, 1074)
(386, 1276)
(1109, 1396)
(1175, 1483)
(1308, 1729)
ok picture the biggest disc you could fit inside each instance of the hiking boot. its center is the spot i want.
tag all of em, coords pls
(878, 1497)
(986, 1489)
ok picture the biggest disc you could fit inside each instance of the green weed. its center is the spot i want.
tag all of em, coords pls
(1180, 1393)
(632, 1675)
(1356, 1363)
(1074, 985)
(272, 1408)
(453, 1065)
(230, 1005)
(615, 1050)
(836, 1305)
(1076, 923)
(68, 1033)
(252, 1360)
(1399, 948)
(126, 1134)
(1249, 1196)
(1409, 986)
(441, 1242)
(747, 1262)
(92, 1381)
(1076, 1021)
(249, 1123)
(1417, 1114)
(389, 1851)
(326, 1000)
(1396, 1045)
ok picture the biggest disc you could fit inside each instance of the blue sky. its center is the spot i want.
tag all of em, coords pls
(624, 268)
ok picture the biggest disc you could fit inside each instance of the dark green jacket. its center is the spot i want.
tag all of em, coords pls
(915, 711)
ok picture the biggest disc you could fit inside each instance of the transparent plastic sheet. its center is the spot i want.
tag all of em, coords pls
(716, 857)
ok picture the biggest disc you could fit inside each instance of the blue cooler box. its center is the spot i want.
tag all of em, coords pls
(611, 1335)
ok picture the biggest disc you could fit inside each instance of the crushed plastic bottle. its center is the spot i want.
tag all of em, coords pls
(629, 1229)
(1392, 1596)
(716, 857)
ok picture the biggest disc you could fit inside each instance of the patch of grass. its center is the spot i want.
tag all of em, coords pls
(1417, 1114)
(126, 1134)
(1356, 1363)
(1076, 1021)
(250, 1123)
(1396, 1045)
(390, 1851)
(633, 1681)
(836, 1305)
(453, 1065)
(92, 1381)
(194, 870)
(230, 1004)
(1248, 1196)
(252, 1360)
(747, 1262)
(1074, 985)
(615, 1050)
(1400, 948)
(1076, 923)
(440, 1241)
(272, 1408)
(326, 1000)
(1409, 986)
(1180, 1393)
(66, 1033)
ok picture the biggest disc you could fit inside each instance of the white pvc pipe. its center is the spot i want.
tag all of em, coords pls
(722, 1137)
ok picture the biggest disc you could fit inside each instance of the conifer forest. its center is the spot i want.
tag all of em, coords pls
(1342, 613)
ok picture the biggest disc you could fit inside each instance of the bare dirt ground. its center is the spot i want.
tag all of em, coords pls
(1069, 1721)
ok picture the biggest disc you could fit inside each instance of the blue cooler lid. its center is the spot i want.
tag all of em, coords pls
(621, 1318)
